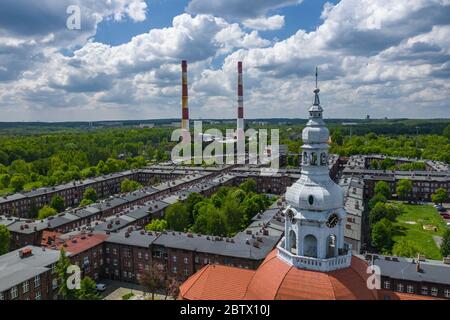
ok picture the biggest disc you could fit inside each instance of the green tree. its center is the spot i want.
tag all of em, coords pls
(128, 185)
(382, 210)
(153, 278)
(86, 202)
(337, 137)
(177, 217)
(249, 185)
(46, 212)
(440, 196)
(404, 188)
(445, 246)
(4, 180)
(405, 248)
(5, 238)
(17, 182)
(383, 188)
(88, 290)
(375, 199)
(61, 269)
(382, 235)
(233, 215)
(157, 225)
(90, 194)
(57, 203)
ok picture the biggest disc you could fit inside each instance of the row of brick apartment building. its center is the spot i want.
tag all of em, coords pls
(27, 231)
(24, 204)
(125, 255)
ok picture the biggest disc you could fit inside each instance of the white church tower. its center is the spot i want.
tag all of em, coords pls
(315, 215)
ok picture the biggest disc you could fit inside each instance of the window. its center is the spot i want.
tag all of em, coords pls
(400, 287)
(424, 290)
(174, 270)
(387, 285)
(26, 286)
(125, 274)
(139, 255)
(107, 250)
(54, 283)
(197, 260)
(115, 262)
(37, 296)
(434, 291)
(146, 256)
(2, 297)
(37, 281)
(186, 272)
(13, 292)
(54, 268)
(446, 293)
(205, 261)
(186, 260)
(114, 251)
(174, 258)
(410, 288)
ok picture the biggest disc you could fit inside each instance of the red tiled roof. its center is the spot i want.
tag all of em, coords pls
(76, 245)
(276, 280)
(216, 282)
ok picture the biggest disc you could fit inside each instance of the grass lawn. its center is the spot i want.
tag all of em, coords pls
(422, 239)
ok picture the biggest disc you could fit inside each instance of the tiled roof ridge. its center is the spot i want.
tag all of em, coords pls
(256, 271)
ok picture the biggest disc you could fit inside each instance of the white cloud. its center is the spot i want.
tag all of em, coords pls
(238, 9)
(379, 57)
(265, 23)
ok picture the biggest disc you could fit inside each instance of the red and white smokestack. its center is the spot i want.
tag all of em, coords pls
(240, 110)
(184, 98)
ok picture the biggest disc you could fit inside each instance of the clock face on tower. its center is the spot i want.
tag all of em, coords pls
(333, 220)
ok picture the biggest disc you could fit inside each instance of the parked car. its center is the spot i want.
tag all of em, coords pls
(101, 287)
(445, 215)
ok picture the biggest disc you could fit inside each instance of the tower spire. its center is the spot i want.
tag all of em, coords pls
(317, 90)
(317, 74)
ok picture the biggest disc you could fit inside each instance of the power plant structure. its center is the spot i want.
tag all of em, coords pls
(240, 134)
(184, 102)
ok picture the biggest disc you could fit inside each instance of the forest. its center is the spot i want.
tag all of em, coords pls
(32, 161)
(36, 155)
(225, 213)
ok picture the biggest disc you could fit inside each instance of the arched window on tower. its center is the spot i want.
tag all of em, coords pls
(313, 158)
(305, 158)
(293, 242)
(310, 246)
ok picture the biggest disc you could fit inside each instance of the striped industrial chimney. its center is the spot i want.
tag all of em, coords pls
(184, 98)
(240, 110)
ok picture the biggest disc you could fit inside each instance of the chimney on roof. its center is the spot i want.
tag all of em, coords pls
(26, 252)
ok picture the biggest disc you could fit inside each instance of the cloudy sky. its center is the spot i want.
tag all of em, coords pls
(377, 57)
